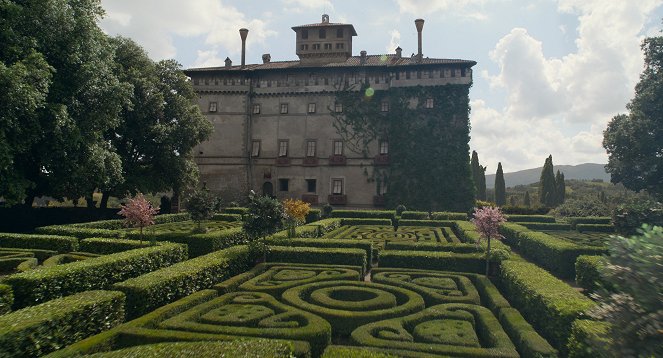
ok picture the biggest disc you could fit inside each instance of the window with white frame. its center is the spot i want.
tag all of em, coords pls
(311, 108)
(212, 106)
(338, 147)
(283, 148)
(338, 107)
(429, 103)
(310, 148)
(384, 147)
(255, 148)
(384, 106)
(284, 108)
(256, 108)
(337, 186)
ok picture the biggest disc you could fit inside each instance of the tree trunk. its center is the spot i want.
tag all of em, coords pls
(90, 202)
(28, 200)
(104, 200)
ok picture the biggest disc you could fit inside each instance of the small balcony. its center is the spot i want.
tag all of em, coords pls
(310, 198)
(337, 199)
(283, 161)
(379, 200)
(310, 162)
(337, 160)
(381, 159)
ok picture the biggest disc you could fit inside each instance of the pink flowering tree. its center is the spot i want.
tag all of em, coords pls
(138, 212)
(487, 221)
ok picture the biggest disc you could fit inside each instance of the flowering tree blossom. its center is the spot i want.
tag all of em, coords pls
(138, 212)
(487, 221)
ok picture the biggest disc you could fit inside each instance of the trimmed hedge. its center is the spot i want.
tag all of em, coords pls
(105, 246)
(549, 304)
(227, 217)
(231, 284)
(70, 257)
(365, 245)
(202, 244)
(157, 288)
(588, 272)
(235, 210)
(334, 351)
(467, 233)
(40, 254)
(315, 229)
(527, 341)
(313, 215)
(415, 215)
(6, 299)
(246, 348)
(441, 261)
(595, 228)
(445, 215)
(531, 218)
(36, 286)
(281, 277)
(584, 335)
(35, 331)
(433, 223)
(575, 220)
(382, 222)
(45, 242)
(459, 288)
(431, 246)
(78, 232)
(545, 226)
(313, 255)
(364, 214)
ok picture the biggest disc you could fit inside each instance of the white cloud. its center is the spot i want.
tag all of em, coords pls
(298, 6)
(561, 106)
(154, 30)
(460, 8)
(394, 41)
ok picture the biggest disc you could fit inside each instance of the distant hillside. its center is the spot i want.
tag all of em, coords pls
(587, 171)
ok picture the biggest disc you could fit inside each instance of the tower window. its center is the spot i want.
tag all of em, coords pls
(255, 148)
(337, 186)
(304, 34)
(429, 103)
(316, 46)
(212, 106)
(310, 148)
(256, 108)
(384, 147)
(311, 108)
(338, 107)
(284, 108)
(322, 34)
(328, 46)
(339, 46)
(384, 106)
(339, 33)
(283, 148)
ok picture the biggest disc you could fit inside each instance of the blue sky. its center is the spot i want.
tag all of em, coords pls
(550, 73)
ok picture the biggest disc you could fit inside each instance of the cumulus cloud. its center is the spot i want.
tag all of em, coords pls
(469, 9)
(561, 106)
(154, 30)
(394, 41)
(299, 6)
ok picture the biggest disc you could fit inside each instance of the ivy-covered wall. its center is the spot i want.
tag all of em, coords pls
(429, 165)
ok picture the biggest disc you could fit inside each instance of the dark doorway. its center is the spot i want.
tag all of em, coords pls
(267, 189)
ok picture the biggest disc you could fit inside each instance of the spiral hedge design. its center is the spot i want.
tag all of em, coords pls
(435, 288)
(280, 278)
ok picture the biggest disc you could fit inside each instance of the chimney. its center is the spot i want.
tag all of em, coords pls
(242, 34)
(399, 52)
(419, 23)
(266, 58)
(362, 58)
(229, 62)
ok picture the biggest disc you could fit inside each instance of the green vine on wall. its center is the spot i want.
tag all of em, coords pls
(428, 147)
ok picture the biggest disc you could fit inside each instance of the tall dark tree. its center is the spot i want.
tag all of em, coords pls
(547, 186)
(560, 188)
(479, 176)
(526, 200)
(61, 62)
(500, 186)
(634, 141)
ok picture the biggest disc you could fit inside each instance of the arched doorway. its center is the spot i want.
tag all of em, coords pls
(267, 189)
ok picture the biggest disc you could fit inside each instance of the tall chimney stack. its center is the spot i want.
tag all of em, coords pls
(419, 23)
(242, 34)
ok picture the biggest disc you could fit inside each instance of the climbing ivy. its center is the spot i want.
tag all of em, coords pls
(428, 147)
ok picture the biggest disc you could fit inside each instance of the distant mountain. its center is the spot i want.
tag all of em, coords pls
(587, 171)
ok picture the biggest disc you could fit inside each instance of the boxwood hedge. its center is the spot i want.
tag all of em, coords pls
(608, 228)
(365, 245)
(531, 218)
(433, 223)
(105, 246)
(45, 242)
(363, 221)
(429, 260)
(588, 272)
(605, 220)
(36, 286)
(545, 226)
(6, 299)
(37, 330)
(585, 336)
(78, 232)
(247, 348)
(314, 255)
(334, 351)
(431, 246)
(364, 214)
(445, 215)
(157, 288)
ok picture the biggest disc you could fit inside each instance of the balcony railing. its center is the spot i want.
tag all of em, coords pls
(310, 162)
(283, 161)
(337, 199)
(337, 160)
(381, 159)
(310, 198)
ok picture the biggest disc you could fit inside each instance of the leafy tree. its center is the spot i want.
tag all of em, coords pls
(479, 176)
(264, 216)
(201, 205)
(635, 310)
(581, 207)
(54, 53)
(138, 212)
(294, 212)
(634, 141)
(158, 127)
(500, 186)
(560, 188)
(526, 200)
(487, 221)
(547, 186)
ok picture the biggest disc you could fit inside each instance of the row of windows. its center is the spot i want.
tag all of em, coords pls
(312, 185)
(327, 46)
(322, 33)
(311, 147)
(312, 107)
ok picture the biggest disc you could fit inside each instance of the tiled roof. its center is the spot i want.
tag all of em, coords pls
(353, 61)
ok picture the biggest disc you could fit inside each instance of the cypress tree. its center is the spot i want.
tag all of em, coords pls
(561, 187)
(547, 186)
(479, 176)
(500, 186)
(526, 200)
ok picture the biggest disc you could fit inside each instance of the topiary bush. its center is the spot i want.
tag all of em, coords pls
(588, 272)
(313, 255)
(45, 242)
(105, 246)
(427, 260)
(581, 207)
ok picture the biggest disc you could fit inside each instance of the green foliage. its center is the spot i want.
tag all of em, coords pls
(633, 141)
(105, 246)
(595, 228)
(78, 232)
(531, 218)
(549, 304)
(6, 299)
(635, 308)
(314, 255)
(434, 287)
(560, 188)
(500, 186)
(157, 288)
(427, 260)
(581, 207)
(527, 201)
(264, 216)
(38, 286)
(527, 341)
(414, 215)
(430, 223)
(281, 277)
(575, 220)
(478, 176)
(365, 245)
(38, 330)
(630, 217)
(545, 226)
(445, 215)
(201, 205)
(588, 272)
(201, 244)
(313, 215)
(327, 210)
(585, 336)
(361, 221)
(246, 348)
(363, 214)
(432, 246)
(334, 351)
(227, 217)
(426, 144)
(400, 209)
(45, 242)
(547, 185)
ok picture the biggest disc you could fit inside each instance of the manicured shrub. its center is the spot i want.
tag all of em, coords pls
(157, 288)
(442, 261)
(334, 351)
(608, 228)
(105, 246)
(527, 341)
(445, 215)
(236, 210)
(102, 224)
(227, 217)
(415, 215)
(313, 215)
(312, 255)
(202, 244)
(360, 221)
(524, 210)
(36, 286)
(531, 218)
(280, 277)
(490, 295)
(246, 348)
(545, 226)
(78, 232)
(365, 245)
(45, 242)
(38, 330)
(467, 233)
(363, 214)
(585, 336)
(588, 272)
(6, 299)
(431, 246)
(434, 287)
(433, 223)
(70, 257)
(574, 220)
(17, 261)
(549, 304)
(316, 229)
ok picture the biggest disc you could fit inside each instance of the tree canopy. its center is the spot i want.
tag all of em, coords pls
(547, 185)
(500, 186)
(479, 176)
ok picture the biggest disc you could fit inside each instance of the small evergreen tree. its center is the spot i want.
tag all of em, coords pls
(547, 187)
(500, 186)
(479, 176)
(526, 200)
(513, 201)
(264, 217)
(560, 187)
(201, 205)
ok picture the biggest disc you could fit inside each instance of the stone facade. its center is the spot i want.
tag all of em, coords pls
(274, 126)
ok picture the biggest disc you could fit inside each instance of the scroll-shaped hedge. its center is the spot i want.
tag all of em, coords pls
(280, 278)
(246, 348)
(435, 288)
